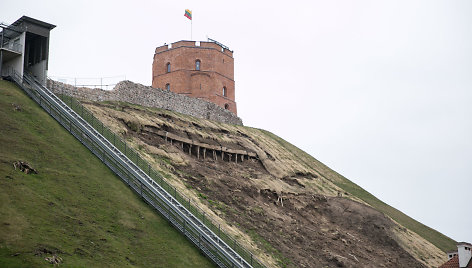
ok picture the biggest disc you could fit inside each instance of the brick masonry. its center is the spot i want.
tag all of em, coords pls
(127, 91)
(216, 71)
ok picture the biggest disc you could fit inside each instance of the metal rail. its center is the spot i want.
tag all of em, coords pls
(154, 194)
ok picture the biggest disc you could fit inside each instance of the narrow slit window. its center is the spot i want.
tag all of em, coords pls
(197, 65)
(224, 91)
(168, 67)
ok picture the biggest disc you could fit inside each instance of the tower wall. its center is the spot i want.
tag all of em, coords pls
(216, 71)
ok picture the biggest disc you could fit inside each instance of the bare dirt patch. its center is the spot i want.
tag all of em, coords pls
(291, 211)
(302, 229)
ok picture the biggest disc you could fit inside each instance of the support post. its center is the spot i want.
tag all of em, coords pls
(1, 58)
(1, 53)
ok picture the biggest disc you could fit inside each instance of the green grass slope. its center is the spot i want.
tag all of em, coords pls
(436, 238)
(75, 206)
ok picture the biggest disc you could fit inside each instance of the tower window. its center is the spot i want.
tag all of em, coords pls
(168, 67)
(226, 106)
(224, 91)
(168, 87)
(197, 65)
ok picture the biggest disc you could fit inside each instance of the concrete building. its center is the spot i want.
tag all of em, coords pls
(202, 70)
(24, 47)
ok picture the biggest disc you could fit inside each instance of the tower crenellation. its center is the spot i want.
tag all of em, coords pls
(199, 69)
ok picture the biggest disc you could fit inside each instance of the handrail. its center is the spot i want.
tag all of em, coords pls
(114, 152)
(16, 47)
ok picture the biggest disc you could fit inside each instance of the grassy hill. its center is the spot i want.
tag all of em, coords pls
(75, 207)
(245, 197)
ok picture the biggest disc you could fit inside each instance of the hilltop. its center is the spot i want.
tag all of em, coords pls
(284, 204)
(75, 207)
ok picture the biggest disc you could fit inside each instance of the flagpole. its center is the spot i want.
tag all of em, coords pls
(188, 14)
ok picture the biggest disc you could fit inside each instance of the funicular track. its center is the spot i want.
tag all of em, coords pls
(211, 240)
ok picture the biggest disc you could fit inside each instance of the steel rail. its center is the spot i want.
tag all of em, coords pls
(154, 194)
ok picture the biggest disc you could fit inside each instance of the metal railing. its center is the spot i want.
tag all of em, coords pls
(104, 83)
(188, 218)
(16, 47)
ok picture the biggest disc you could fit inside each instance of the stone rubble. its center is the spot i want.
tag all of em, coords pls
(127, 91)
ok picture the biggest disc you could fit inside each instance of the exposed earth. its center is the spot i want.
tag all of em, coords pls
(281, 204)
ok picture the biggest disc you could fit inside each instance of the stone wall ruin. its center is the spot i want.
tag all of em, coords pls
(127, 91)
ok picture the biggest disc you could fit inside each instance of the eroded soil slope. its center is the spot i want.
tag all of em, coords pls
(277, 201)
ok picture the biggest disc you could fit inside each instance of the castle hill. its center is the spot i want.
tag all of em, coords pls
(126, 143)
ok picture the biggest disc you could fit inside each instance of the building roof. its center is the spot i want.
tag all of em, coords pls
(34, 21)
(21, 25)
(454, 263)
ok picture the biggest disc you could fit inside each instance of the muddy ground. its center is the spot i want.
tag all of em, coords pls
(303, 229)
(276, 200)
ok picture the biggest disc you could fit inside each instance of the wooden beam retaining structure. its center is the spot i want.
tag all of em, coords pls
(200, 149)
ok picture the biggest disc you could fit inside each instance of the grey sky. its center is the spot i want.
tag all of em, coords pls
(380, 91)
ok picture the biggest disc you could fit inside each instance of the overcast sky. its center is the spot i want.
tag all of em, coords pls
(380, 91)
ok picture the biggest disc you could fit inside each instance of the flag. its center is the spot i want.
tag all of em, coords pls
(188, 14)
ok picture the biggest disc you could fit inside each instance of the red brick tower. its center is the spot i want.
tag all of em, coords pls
(197, 69)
